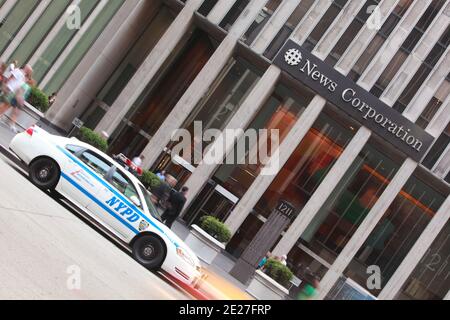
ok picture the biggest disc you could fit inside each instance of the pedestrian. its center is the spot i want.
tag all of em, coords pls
(282, 260)
(7, 73)
(264, 260)
(52, 99)
(162, 175)
(138, 161)
(15, 92)
(175, 205)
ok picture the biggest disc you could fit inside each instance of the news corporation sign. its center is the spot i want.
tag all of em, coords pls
(354, 100)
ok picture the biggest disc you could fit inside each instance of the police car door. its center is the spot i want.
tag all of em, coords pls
(85, 172)
(119, 204)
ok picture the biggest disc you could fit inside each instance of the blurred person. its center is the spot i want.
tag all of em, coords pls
(264, 260)
(162, 175)
(175, 205)
(138, 161)
(15, 92)
(52, 99)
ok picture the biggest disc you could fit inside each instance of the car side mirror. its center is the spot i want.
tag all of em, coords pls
(135, 201)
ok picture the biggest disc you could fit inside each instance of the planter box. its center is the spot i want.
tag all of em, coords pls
(205, 247)
(263, 287)
(28, 116)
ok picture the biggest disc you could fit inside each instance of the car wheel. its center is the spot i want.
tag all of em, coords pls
(149, 251)
(44, 173)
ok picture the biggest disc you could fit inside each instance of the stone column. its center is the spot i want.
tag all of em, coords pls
(322, 193)
(24, 30)
(366, 227)
(409, 68)
(200, 85)
(99, 62)
(393, 43)
(252, 104)
(274, 25)
(426, 239)
(220, 10)
(149, 68)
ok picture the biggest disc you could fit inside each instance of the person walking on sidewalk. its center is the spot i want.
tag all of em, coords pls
(15, 92)
(175, 205)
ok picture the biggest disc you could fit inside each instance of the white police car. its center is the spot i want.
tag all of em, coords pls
(111, 195)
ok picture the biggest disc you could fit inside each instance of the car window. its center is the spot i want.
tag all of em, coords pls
(151, 207)
(73, 149)
(124, 185)
(95, 162)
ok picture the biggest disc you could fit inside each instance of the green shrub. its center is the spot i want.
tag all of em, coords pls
(215, 228)
(150, 180)
(279, 272)
(93, 138)
(38, 99)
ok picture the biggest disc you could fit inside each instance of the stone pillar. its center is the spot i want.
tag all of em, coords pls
(440, 119)
(252, 104)
(426, 239)
(427, 91)
(264, 240)
(274, 25)
(220, 10)
(24, 30)
(149, 68)
(200, 85)
(323, 192)
(366, 227)
(50, 36)
(393, 43)
(409, 68)
(99, 62)
(337, 28)
(363, 38)
(6, 8)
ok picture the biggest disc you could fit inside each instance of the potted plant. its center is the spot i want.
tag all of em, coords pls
(93, 138)
(208, 239)
(272, 282)
(38, 100)
(150, 180)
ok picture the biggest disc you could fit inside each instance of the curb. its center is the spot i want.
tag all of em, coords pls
(12, 157)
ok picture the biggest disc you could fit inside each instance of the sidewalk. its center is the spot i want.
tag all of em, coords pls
(219, 270)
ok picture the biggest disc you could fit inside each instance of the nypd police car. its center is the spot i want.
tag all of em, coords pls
(108, 193)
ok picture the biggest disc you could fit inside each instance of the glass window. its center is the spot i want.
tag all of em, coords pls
(40, 29)
(60, 42)
(263, 17)
(434, 104)
(15, 19)
(438, 148)
(430, 280)
(406, 48)
(349, 204)
(207, 6)
(288, 28)
(74, 149)
(323, 25)
(304, 171)
(218, 107)
(349, 35)
(422, 74)
(379, 39)
(397, 231)
(83, 45)
(96, 162)
(233, 14)
(150, 205)
(280, 112)
(124, 185)
(160, 97)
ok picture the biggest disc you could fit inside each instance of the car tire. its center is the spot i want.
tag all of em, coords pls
(149, 251)
(44, 173)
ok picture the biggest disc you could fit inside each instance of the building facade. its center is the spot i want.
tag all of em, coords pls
(358, 91)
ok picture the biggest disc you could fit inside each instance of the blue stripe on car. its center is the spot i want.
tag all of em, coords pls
(115, 192)
(90, 196)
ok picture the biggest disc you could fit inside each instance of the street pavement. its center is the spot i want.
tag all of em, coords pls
(49, 253)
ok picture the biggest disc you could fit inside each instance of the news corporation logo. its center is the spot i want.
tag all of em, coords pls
(293, 57)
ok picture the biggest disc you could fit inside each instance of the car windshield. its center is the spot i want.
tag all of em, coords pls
(151, 207)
